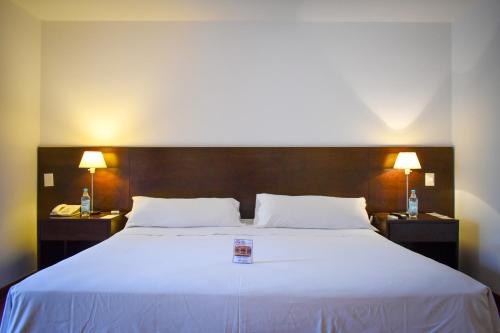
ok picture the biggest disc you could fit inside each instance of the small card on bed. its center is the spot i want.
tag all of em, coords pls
(243, 251)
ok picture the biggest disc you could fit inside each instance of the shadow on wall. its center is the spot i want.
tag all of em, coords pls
(476, 74)
(479, 251)
(399, 85)
(14, 269)
(474, 36)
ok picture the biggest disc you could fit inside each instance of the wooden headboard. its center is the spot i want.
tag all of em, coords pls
(242, 172)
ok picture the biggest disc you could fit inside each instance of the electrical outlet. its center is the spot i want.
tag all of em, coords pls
(429, 179)
(48, 179)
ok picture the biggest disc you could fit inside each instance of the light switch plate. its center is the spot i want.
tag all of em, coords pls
(48, 179)
(429, 179)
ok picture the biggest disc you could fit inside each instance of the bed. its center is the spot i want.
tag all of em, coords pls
(183, 280)
(150, 279)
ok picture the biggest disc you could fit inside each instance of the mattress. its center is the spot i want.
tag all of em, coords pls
(183, 280)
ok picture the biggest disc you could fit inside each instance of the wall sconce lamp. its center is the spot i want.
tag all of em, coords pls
(92, 160)
(407, 161)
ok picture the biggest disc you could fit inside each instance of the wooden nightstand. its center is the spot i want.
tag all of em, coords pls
(62, 237)
(428, 235)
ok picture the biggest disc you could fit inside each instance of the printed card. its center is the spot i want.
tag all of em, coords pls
(243, 251)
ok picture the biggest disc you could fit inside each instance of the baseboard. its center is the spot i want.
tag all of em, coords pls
(5, 289)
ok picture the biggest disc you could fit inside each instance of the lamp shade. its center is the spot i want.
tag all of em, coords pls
(407, 161)
(92, 159)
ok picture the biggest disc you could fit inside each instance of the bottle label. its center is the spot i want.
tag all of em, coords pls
(85, 206)
(413, 207)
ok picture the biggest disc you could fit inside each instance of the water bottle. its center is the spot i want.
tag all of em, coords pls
(85, 208)
(413, 205)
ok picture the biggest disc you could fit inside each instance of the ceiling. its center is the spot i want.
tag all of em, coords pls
(248, 10)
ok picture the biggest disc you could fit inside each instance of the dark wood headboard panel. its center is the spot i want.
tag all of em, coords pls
(242, 172)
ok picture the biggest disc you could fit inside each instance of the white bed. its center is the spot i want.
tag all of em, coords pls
(183, 280)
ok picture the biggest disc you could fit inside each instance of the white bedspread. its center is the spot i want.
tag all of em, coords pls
(183, 280)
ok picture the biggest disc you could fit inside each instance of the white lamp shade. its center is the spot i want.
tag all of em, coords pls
(92, 159)
(407, 161)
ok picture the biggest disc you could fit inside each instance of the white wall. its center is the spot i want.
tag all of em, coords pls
(20, 45)
(476, 135)
(245, 83)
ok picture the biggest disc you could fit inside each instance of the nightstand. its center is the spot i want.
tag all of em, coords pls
(62, 237)
(428, 235)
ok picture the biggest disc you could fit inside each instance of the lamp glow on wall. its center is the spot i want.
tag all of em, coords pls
(407, 161)
(92, 160)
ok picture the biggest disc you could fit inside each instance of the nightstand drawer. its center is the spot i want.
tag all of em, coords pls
(74, 230)
(420, 232)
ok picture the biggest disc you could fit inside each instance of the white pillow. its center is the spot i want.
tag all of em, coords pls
(310, 211)
(178, 213)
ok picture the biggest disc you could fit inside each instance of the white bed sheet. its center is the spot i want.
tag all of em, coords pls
(183, 280)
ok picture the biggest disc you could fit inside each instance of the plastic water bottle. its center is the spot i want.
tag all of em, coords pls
(413, 205)
(85, 208)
